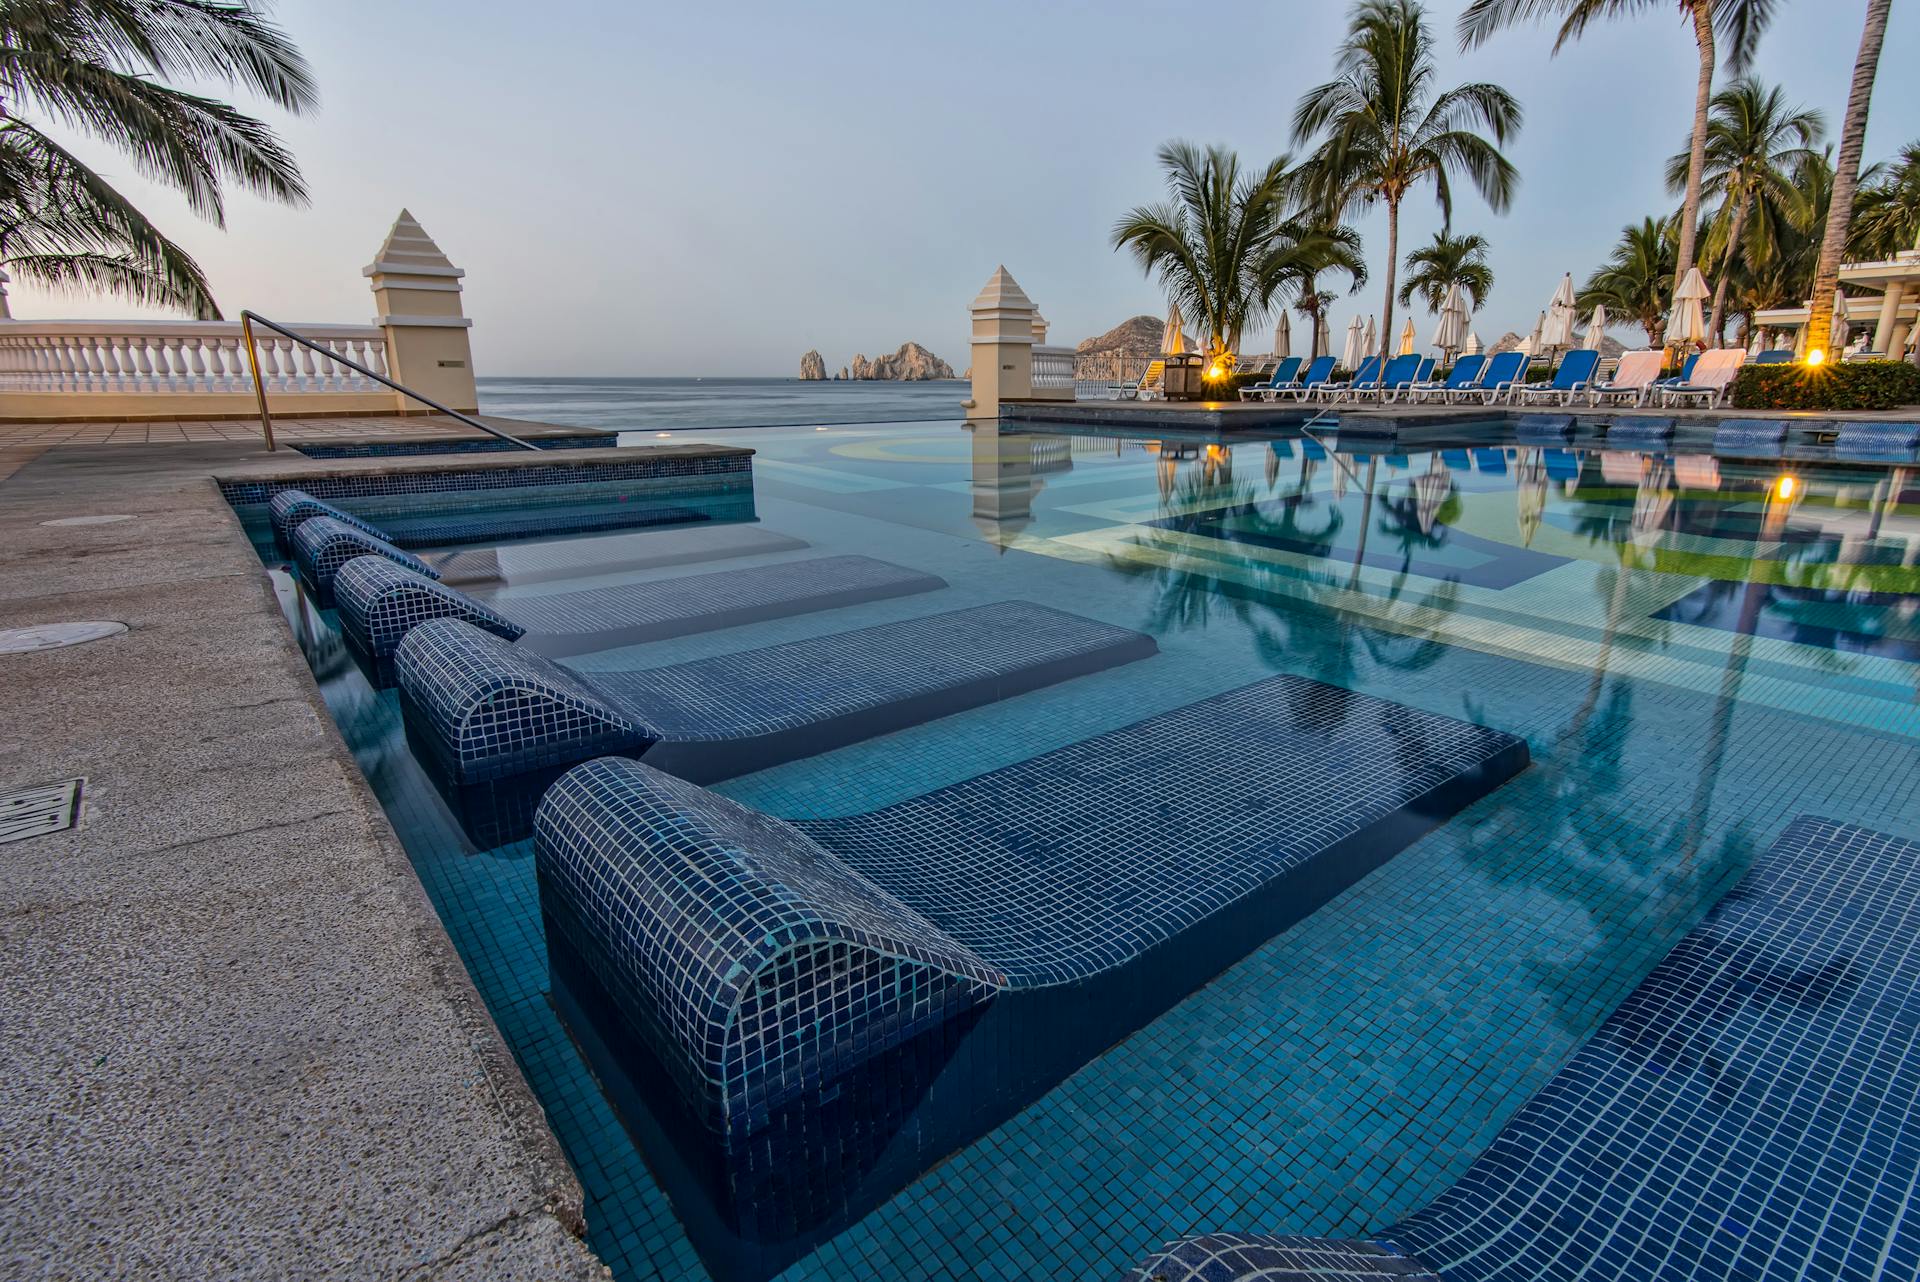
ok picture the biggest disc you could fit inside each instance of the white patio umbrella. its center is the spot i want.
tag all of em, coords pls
(1172, 341)
(1556, 323)
(1322, 335)
(1407, 339)
(1472, 346)
(1452, 330)
(1283, 338)
(1372, 347)
(1840, 327)
(1351, 355)
(1596, 328)
(1537, 341)
(1686, 323)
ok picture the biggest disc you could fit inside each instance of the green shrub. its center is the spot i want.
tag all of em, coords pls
(1862, 385)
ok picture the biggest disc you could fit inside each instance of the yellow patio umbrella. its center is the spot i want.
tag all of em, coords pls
(1172, 341)
(1407, 339)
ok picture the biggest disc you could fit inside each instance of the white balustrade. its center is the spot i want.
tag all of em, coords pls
(181, 357)
(1053, 369)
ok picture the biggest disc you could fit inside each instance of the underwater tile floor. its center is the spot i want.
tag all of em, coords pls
(1349, 1070)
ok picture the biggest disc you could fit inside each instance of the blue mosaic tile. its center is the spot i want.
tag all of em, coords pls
(1239, 1257)
(322, 545)
(380, 602)
(242, 493)
(292, 508)
(1089, 901)
(1746, 1113)
(1543, 427)
(1750, 435)
(1877, 440)
(1639, 431)
(566, 623)
(458, 445)
(483, 705)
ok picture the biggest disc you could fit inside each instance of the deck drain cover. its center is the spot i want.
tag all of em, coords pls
(89, 520)
(40, 810)
(51, 636)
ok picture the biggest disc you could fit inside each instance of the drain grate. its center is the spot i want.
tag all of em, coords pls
(52, 636)
(40, 810)
(107, 519)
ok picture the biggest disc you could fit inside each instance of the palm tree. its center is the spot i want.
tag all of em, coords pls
(1886, 213)
(1223, 245)
(1340, 252)
(1753, 139)
(1741, 22)
(1385, 129)
(97, 68)
(1434, 269)
(1637, 278)
(1846, 178)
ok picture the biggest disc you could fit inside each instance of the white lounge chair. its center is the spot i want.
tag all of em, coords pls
(1712, 376)
(1631, 379)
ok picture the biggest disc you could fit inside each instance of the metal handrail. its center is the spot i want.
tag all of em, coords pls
(247, 320)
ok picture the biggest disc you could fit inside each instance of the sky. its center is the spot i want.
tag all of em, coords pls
(662, 190)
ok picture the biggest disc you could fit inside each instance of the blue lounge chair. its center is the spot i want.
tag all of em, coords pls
(1461, 376)
(1502, 375)
(1571, 379)
(1312, 381)
(1368, 375)
(1686, 372)
(1395, 383)
(1775, 356)
(1283, 374)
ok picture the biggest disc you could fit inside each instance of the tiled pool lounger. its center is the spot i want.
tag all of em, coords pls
(1749, 1112)
(487, 710)
(379, 608)
(771, 967)
(322, 545)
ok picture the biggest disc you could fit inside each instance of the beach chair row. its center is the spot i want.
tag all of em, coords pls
(1500, 379)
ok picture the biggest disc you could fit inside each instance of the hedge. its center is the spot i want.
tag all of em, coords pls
(1861, 385)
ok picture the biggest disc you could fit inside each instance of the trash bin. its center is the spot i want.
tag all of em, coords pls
(1182, 377)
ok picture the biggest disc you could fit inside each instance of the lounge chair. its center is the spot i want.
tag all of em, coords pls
(1460, 377)
(1368, 375)
(1144, 387)
(381, 602)
(1283, 374)
(1686, 372)
(1310, 383)
(1571, 379)
(771, 965)
(1503, 373)
(1710, 379)
(1775, 356)
(1394, 382)
(497, 722)
(1635, 374)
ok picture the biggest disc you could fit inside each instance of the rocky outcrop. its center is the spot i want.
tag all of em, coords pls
(911, 364)
(1609, 345)
(813, 369)
(1122, 352)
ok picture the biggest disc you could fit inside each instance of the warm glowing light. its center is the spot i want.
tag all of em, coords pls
(1215, 370)
(663, 433)
(1784, 487)
(819, 429)
(1816, 357)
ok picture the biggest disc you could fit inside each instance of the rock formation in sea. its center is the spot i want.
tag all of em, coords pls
(813, 369)
(911, 364)
(1122, 352)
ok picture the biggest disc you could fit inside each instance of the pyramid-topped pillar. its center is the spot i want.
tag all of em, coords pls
(1002, 346)
(417, 294)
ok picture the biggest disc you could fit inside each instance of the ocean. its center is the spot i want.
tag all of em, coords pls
(650, 404)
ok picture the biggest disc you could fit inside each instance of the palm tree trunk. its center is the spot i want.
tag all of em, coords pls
(1393, 261)
(1846, 177)
(1718, 325)
(1697, 153)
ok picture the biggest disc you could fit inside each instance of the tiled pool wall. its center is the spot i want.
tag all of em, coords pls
(459, 445)
(455, 504)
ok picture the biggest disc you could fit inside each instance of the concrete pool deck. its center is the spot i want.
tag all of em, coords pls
(236, 1039)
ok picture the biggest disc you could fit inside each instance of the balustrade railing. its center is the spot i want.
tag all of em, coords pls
(1053, 369)
(180, 357)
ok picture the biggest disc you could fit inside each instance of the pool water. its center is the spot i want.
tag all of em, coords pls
(1695, 650)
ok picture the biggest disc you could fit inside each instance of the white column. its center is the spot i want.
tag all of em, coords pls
(1883, 332)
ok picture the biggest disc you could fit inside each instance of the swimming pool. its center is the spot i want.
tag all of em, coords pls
(1694, 650)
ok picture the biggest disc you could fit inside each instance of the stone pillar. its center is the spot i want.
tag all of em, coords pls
(6, 308)
(1884, 331)
(417, 292)
(1002, 346)
(1040, 325)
